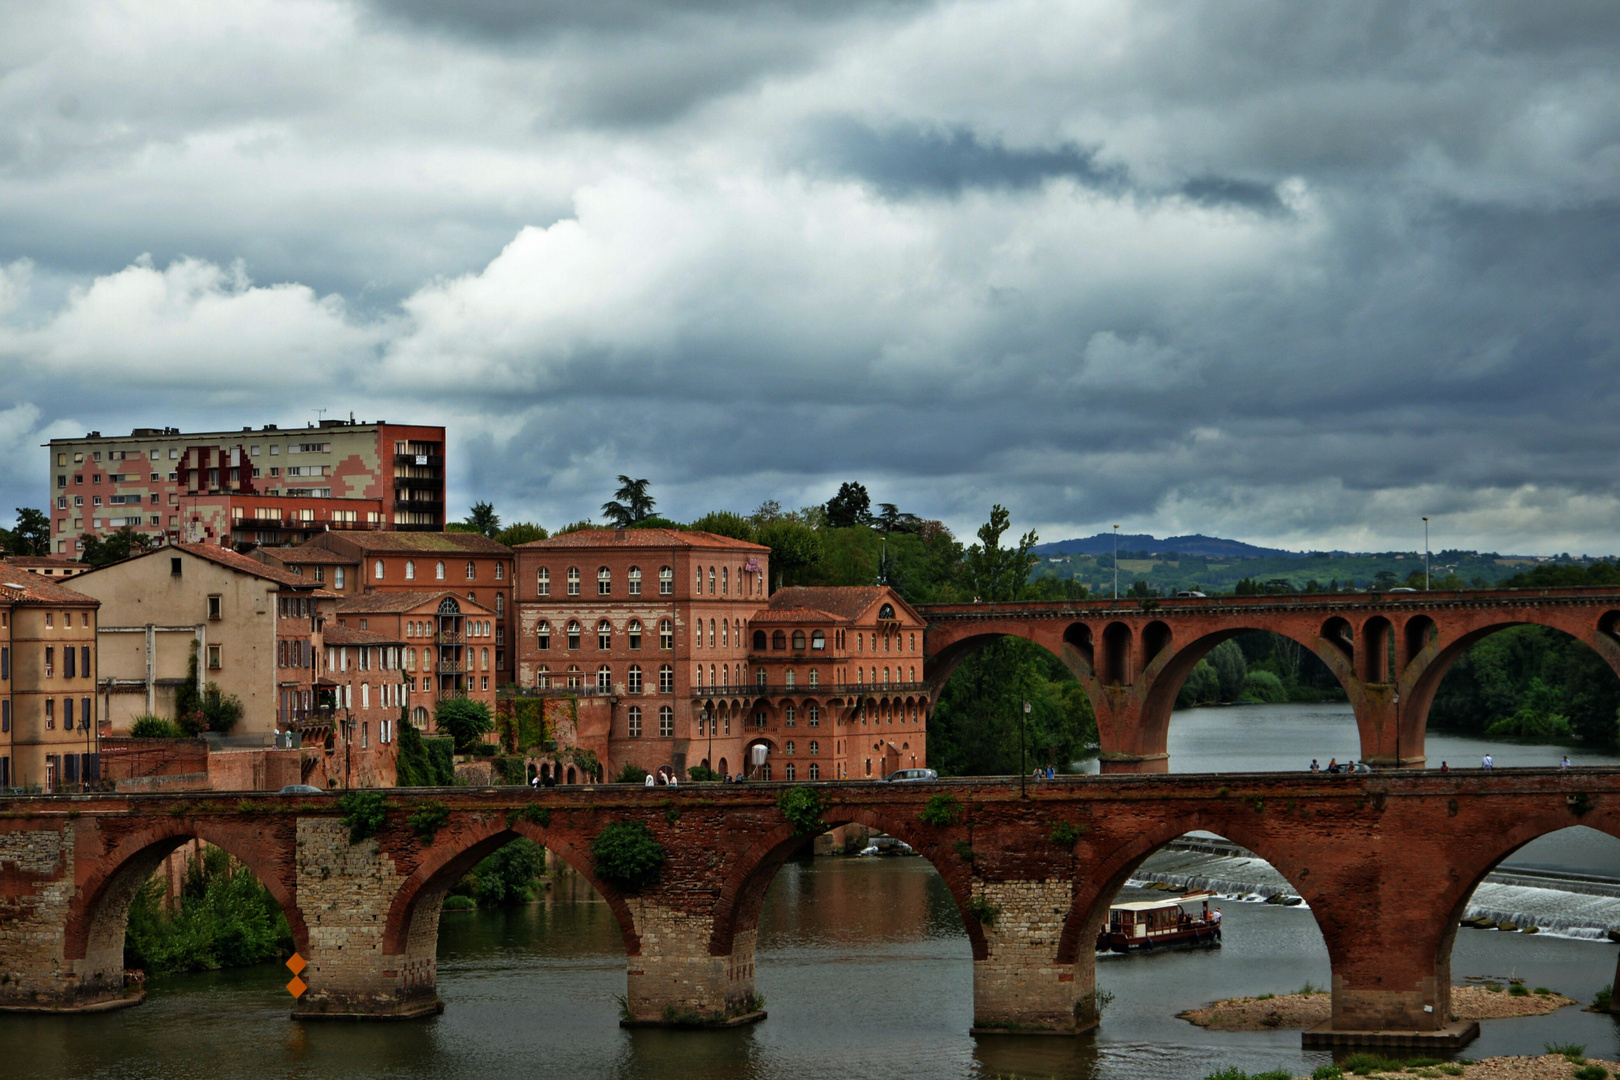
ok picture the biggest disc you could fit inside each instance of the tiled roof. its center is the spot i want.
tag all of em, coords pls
(397, 603)
(241, 563)
(845, 602)
(406, 543)
(31, 561)
(348, 635)
(22, 587)
(302, 555)
(642, 538)
(793, 615)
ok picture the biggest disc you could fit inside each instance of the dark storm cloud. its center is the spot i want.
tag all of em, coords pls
(1225, 191)
(500, 21)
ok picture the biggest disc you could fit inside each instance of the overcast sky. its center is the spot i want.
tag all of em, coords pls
(1294, 273)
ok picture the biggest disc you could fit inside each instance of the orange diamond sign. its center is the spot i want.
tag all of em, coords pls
(296, 964)
(296, 988)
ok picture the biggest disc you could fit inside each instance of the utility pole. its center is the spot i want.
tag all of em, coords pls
(1425, 553)
(1116, 562)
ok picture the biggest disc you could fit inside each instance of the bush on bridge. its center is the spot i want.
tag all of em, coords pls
(364, 812)
(802, 806)
(628, 855)
(941, 811)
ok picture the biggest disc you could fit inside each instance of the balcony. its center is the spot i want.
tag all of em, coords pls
(429, 460)
(426, 483)
(825, 690)
(590, 691)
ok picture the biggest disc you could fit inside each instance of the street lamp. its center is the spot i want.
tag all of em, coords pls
(703, 717)
(1116, 565)
(1425, 553)
(348, 739)
(1023, 759)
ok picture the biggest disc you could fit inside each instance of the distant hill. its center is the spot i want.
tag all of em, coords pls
(1196, 544)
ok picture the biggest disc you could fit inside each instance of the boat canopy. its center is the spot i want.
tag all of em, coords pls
(1154, 905)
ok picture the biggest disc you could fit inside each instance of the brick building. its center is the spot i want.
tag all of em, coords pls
(446, 644)
(47, 683)
(472, 566)
(363, 677)
(676, 657)
(253, 486)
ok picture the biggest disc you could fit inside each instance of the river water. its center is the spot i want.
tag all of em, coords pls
(865, 968)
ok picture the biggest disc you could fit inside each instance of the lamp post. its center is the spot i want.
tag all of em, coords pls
(348, 739)
(704, 718)
(1425, 553)
(1116, 562)
(1023, 759)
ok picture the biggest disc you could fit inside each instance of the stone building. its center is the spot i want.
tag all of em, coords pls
(475, 568)
(253, 486)
(47, 683)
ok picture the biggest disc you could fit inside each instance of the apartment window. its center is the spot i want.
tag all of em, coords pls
(410, 570)
(500, 571)
(666, 679)
(213, 658)
(50, 661)
(573, 581)
(759, 678)
(50, 714)
(542, 635)
(320, 574)
(635, 721)
(69, 656)
(542, 581)
(798, 641)
(789, 718)
(483, 659)
(377, 569)
(214, 602)
(472, 571)
(5, 662)
(337, 578)
(573, 677)
(815, 748)
(791, 772)
(666, 634)
(789, 678)
(815, 771)
(711, 633)
(634, 679)
(5, 717)
(666, 722)
(789, 748)
(634, 577)
(635, 634)
(604, 581)
(700, 581)
(818, 639)
(812, 716)
(604, 635)
(779, 640)
(573, 634)
(666, 581)
(604, 678)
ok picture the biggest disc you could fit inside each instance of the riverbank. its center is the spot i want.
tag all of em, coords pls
(1546, 1067)
(1270, 1012)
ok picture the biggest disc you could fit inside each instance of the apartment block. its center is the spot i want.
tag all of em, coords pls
(263, 485)
(47, 683)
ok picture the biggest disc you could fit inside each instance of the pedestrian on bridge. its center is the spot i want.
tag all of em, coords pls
(1487, 763)
(1316, 766)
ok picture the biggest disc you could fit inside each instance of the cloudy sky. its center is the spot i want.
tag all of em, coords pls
(1294, 273)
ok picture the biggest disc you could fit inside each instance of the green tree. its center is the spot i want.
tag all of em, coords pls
(32, 534)
(996, 574)
(484, 520)
(631, 503)
(889, 519)
(120, 544)
(975, 727)
(1203, 687)
(851, 506)
(520, 532)
(464, 720)
(726, 523)
(422, 762)
(509, 876)
(795, 550)
(1230, 669)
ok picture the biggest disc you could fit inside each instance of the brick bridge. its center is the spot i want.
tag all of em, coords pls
(1389, 651)
(1386, 861)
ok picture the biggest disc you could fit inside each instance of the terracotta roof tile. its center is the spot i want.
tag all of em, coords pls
(22, 587)
(642, 538)
(348, 635)
(241, 563)
(845, 602)
(304, 555)
(397, 603)
(794, 615)
(406, 543)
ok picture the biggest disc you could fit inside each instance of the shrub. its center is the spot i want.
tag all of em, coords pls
(702, 774)
(534, 815)
(155, 727)
(509, 876)
(942, 810)
(459, 903)
(1264, 687)
(1327, 1072)
(982, 910)
(631, 774)
(1235, 1073)
(1575, 1053)
(1591, 1072)
(484, 749)
(1064, 834)
(802, 806)
(464, 720)
(510, 768)
(1365, 1064)
(226, 918)
(428, 818)
(627, 854)
(1543, 991)
(1604, 999)
(364, 813)
(1519, 990)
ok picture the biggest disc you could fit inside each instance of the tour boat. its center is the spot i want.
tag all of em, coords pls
(1151, 924)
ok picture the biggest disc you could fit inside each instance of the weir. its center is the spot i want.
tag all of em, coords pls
(1386, 863)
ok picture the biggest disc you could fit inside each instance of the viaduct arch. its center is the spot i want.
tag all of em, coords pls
(1388, 651)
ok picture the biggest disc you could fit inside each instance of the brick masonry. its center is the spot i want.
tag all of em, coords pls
(1387, 859)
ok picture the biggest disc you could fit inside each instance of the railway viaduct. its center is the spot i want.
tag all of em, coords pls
(1389, 651)
(1387, 862)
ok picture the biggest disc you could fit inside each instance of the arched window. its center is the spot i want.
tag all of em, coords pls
(712, 681)
(634, 577)
(815, 677)
(604, 679)
(725, 628)
(698, 680)
(635, 721)
(542, 581)
(815, 747)
(666, 634)
(789, 748)
(666, 679)
(779, 641)
(472, 570)
(815, 770)
(725, 581)
(913, 646)
(573, 633)
(812, 716)
(789, 717)
(634, 680)
(666, 581)
(604, 581)
(725, 674)
(438, 570)
(666, 722)
(483, 659)
(376, 572)
(711, 581)
(410, 570)
(573, 677)
(913, 676)
(711, 633)
(700, 580)
(542, 678)
(759, 641)
(885, 676)
(500, 603)
(791, 772)
(604, 635)
(818, 639)
(448, 606)
(886, 611)
(789, 678)
(798, 641)
(573, 581)
(419, 715)
(635, 634)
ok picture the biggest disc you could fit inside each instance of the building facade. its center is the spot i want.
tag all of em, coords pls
(475, 568)
(255, 631)
(446, 645)
(47, 684)
(365, 690)
(254, 486)
(675, 657)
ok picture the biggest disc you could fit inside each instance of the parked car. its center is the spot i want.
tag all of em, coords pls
(301, 789)
(905, 775)
(1188, 593)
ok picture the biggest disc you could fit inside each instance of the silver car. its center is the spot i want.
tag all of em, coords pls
(905, 775)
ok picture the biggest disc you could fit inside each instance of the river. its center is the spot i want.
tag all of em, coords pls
(865, 968)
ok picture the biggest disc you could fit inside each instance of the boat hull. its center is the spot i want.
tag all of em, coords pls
(1191, 937)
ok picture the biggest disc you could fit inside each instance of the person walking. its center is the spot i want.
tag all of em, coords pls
(1487, 763)
(650, 782)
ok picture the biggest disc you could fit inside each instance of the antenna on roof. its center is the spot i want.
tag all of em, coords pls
(320, 414)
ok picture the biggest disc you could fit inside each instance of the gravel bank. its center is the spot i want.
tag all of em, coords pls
(1305, 1010)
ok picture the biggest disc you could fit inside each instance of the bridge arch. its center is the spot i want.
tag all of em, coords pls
(98, 918)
